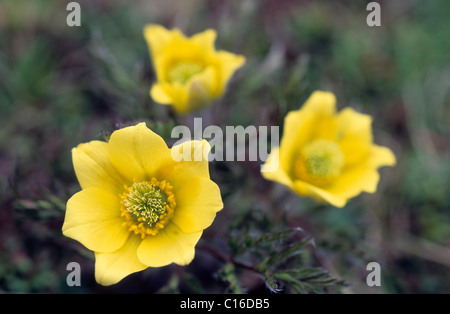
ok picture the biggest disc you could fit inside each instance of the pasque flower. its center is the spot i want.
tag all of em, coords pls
(138, 207)
(190, 72)
(327, 155)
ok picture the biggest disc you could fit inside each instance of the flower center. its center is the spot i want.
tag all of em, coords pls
(320, 162)
(181, 72)
(147, 206)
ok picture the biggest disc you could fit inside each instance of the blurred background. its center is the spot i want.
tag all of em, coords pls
(61, 86)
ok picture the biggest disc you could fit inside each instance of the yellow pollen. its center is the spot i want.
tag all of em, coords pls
(319, 162)
(147, 206)
(181, 72)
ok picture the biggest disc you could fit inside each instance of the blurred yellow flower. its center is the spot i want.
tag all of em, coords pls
(327, 155)
(190, 72)
(138, 207)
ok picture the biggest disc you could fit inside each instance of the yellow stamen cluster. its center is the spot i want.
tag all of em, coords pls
(319, 162)
(181, 72)
(147, 206)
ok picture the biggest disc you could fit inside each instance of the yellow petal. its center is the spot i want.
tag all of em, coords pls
(364, 176)
(93, 219)
(93, 168)
(205, 40)
(355, 134)
(193, 95)
(189, 160)
(110, 268)
(313, 121)
(272, 169)
(137, 152)
(352, 182)
(159, 95)
(200, 89)
(319, 194)
(380, 156)
(297, 131)
(177, 93)
(321, 103)
(198, 201)
(158, 38)
(170, 245)
(226, 64)
(178, 50)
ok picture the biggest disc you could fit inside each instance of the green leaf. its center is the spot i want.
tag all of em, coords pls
(308, 280)
(271, 281)
(287, 251)
(277, 236)
(307, 273)
(227, 274)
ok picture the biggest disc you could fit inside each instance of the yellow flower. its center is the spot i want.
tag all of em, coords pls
(138, 207)
(327, 155)
(190, 72)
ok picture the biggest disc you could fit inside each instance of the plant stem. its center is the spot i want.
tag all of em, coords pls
(225, 258)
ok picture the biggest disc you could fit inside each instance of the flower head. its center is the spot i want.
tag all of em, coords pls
(190, 72)
(327, 155)
(138, 207)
